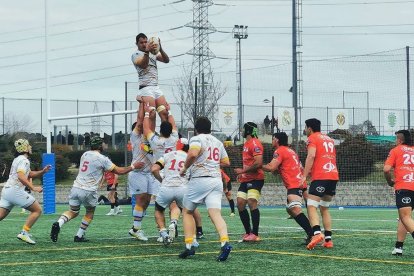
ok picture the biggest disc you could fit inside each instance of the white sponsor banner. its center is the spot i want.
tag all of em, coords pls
(340, 119)
(286, 118)
(391, 120)
(227, 117)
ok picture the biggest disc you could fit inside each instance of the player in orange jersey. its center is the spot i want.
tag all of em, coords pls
(287, 162)
(227, 191)
(251, 178)
(321, 166)
(111, 179)
(401, 159)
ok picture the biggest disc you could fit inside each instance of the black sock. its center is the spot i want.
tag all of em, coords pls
(199, 229)
(399, 244)
(328, 235)
(112, 205)
(303, 221)
(316, 229)
(412, 234)
(245, 219)
(231, 202)
(255, 221)
(116, 203)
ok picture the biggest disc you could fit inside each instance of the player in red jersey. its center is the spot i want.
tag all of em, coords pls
(251, 178)
(321, 166)
(227, 191)
(401, 159)
(112, 183)
(286, 161)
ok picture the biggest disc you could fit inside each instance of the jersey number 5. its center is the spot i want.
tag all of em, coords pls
(84, 166)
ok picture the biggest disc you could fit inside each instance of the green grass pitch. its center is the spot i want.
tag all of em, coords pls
(363, 238)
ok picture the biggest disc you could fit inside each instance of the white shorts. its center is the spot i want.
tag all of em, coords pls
(142, 183)
(168, 194)
(78, 197)
(14, 195)
(206, 190)
(150, 91)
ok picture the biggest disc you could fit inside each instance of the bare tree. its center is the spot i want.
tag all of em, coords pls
(14, 124)
(207, 103)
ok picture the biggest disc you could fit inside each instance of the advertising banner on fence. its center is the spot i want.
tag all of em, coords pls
(340, 119)
(228, 117)
(392, 120)
(286, 118)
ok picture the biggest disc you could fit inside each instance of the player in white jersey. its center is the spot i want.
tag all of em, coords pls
(205, 156)
(84, 192)
(14, 193)
(173, 187)
(146, 66)
(142, 184)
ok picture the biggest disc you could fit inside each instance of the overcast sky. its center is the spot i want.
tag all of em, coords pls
(91, 42)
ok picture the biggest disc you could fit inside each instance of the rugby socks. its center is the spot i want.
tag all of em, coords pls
(199, 229)
(25, 228)
(189, 243)
(224, 240)
(84, 225)
(112, 206)
(412, 234)
(245, 219)
(174, 221)
(316, 230)
(399, 244)
(138, 214)
(163, 233)
(255, 221)
(328, 235)
(231, 202)
(303, 222)
(62, 220)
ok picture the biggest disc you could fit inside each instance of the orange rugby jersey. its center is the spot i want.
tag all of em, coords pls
(401, 158)
(225, 176)
(290, 168)
(324, 165)
(109, 177)
(251, 148)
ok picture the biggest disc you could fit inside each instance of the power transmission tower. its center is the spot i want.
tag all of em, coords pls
(96, 121)
(201, 68)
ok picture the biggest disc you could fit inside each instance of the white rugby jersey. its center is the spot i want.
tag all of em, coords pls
(173, 162)
(138, 154)
(20, 164)
(161, 145)
(208, 161)
(149, 75)
(91, 170)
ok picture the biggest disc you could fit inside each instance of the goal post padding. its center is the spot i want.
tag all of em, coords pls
(49, 184)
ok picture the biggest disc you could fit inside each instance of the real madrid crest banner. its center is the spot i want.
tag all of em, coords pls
(340, 119)
(228, 117)
(286, 118)
(391, 120)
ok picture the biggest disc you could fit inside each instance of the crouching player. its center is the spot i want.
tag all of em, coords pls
(287, 162)
(84, 192)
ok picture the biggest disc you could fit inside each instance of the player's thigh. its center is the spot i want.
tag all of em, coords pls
(18, 197)
(137, 183)
(165, 197)
(213, 199)
(404, 199)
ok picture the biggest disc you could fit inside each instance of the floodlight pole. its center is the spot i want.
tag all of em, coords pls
(49, 122)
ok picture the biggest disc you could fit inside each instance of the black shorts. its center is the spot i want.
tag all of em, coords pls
(110, 187)
(404, 198)
(323, 187)
(296, 191)
(229, 187)
(254, 184)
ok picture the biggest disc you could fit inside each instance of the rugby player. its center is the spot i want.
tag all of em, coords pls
(112, 185)
(227, 191)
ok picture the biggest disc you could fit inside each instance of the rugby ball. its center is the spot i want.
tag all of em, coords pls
(156, 41)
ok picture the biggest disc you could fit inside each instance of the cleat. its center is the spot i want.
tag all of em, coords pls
(187, 253)
(397, 252)
(26, 237)
(195, 244)
(200, 235)
(160, 239)
(172, 231)
(232, 214)
(315, 240)
(118, 210)
(80, 239)
(245, 236)
(54, 233)
(111, 213)
(166, 240)
(139, 234)
(289, 217)
(225, 252)
(307, 240)
(328, 244)
(251, 238)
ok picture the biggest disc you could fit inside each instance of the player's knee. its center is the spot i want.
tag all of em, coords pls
(312, 202)
(75, 210)
(323, 203)
(241, 196)
(159, 208)
(161, 109)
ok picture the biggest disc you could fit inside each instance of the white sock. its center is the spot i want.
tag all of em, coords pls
(61, 222)
(80, 233)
